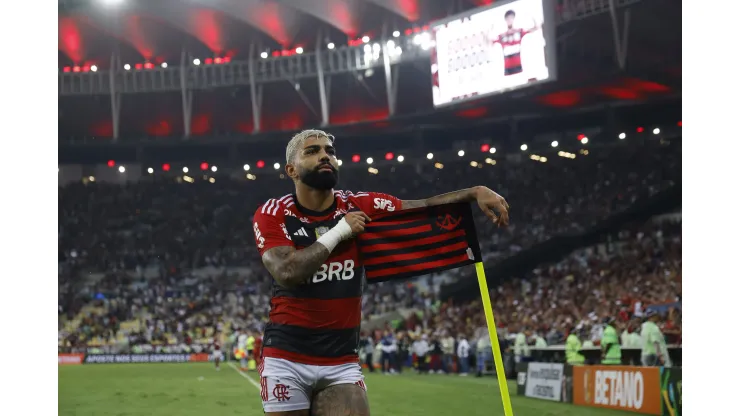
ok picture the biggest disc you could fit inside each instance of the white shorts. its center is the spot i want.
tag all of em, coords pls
(287, 386)
(218, 355)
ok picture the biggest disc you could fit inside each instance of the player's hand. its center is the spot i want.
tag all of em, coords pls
(493, 205)
(357, 221)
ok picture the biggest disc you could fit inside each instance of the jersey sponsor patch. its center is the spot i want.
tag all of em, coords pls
(335, 271)
(383, 205)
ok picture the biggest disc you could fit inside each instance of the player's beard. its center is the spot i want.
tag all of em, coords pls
(320, 180)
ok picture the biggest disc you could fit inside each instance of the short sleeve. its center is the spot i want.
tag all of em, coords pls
(269, 229)
(376, 202)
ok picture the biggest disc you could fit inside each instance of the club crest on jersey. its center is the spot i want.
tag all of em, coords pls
(321, 231)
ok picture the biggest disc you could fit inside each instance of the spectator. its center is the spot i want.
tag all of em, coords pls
(388, 347)
(463, 352)
(368, 347)
(421, 349)
(447, 343)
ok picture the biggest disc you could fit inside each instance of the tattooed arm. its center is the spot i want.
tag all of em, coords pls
(463, 195)
(290, 267)
(490, 202)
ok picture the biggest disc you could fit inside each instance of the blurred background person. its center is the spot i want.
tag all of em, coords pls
(484, 353)
(367, 346)
(420, 348)
(654, 348)
(447, 344)
(573, 345)
(521, 345)
(463, 354)
(388, 348)
(611, 351)
(402, 355)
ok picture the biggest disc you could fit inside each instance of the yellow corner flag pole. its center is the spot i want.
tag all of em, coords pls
(497, 359)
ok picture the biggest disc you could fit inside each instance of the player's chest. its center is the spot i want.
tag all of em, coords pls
(304, 231)
(511, 38)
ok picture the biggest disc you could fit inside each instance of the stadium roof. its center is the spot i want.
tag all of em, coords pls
(138, 30)
(92, 29)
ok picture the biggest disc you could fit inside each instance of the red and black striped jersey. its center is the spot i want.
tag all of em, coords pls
(318, 322)
(511, 42)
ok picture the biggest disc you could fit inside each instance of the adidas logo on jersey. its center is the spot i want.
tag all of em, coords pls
(301, 233)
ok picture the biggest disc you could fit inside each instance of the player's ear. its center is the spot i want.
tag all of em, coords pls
(291, 171)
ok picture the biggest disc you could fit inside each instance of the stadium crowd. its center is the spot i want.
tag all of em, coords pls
(173, 264)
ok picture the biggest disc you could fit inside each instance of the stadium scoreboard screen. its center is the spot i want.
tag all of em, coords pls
(493, 49)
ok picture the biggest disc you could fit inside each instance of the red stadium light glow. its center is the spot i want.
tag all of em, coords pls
(139, 66)
(260, 164)
(75, 69)
(680, 124)
(111, 163)
(581, 136)
(355, 158)
(640, 129)
(166, 167)
(407, 32)
(86, 68)
(148, 65)
(208, 61)
(67, 69)
(389, 156)
(485, 148)
(227, 59)
(204, 166)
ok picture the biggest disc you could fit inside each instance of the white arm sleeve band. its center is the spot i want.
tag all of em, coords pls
(336, 235)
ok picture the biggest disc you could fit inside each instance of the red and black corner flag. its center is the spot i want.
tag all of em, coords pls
(404, 244)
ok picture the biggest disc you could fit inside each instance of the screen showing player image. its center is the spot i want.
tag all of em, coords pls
(492, 50)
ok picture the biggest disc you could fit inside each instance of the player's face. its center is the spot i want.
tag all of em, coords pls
(316, 164)
(510, 21)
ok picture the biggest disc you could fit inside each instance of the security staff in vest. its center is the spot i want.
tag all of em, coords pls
(654, 348)
(611, 351)
(573, 348)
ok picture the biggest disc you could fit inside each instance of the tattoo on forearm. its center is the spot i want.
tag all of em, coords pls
(291, 267)
(340, 400)
(463, 195)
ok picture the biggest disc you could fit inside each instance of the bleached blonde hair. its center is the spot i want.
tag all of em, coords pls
(296, 143)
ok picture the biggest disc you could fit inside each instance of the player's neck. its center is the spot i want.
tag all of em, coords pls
(314, 199)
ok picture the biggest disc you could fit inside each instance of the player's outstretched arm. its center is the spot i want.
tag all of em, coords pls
(290, 267)
(493, 205)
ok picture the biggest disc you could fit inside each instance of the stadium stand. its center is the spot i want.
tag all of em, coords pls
(167, 263)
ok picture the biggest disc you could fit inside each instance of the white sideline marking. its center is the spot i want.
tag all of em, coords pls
(251, 380)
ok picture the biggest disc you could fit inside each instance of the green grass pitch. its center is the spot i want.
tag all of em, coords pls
(198, 390)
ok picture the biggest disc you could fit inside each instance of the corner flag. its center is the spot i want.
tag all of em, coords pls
(404, 244)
